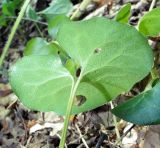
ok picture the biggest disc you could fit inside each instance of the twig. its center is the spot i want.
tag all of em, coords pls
(39, 30)
(23, 122)
(28, 141)
(125, 134)
(74, 141)
(97, 12)
(103, 136)
(28, 19)
(43, 116)
(12, 104)
(128, 131)
(115, 123)
(152, 4)
(13, 31)
(81, 9)
(81, 136)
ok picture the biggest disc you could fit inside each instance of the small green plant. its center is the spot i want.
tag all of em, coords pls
(9, 9)
(106, 60)
(88, 64)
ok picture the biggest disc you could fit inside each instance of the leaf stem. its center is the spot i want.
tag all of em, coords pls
(69, 110)
(80, 10)
(39, 30)
(13, 30)
(28, 19)
(115, 123)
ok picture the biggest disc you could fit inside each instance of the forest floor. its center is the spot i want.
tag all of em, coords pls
(23, 128)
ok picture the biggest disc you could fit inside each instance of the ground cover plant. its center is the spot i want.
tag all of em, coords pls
(88, 63)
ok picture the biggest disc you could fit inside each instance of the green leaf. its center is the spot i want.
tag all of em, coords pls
(124, 14)
(105, 59)
(31, 13)
(57, 7)
(54, 23)
(44, 79)
(149, 24)
(38, 46)
(113, 68)
(142, 109)
(2, 21)
(9, 7)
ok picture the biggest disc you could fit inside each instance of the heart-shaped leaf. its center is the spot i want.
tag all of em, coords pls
(105, 54)
(142, 109)
(107, 59)
(149, 24)
(44, 82)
